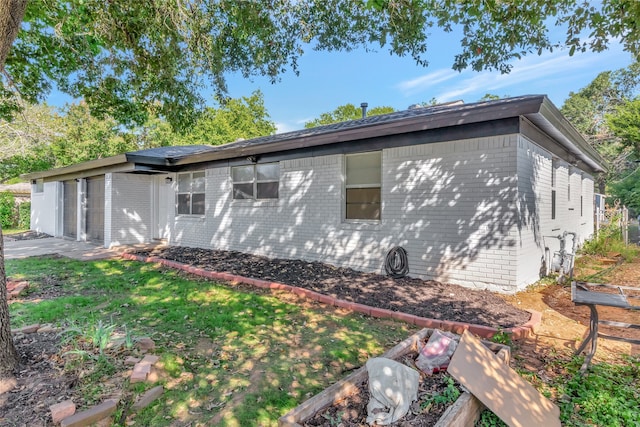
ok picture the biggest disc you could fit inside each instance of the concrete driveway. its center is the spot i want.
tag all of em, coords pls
(14, 249)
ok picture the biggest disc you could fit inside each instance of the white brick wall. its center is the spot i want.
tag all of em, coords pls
(128, 206)
(534, 203)
(475, 212)
(451, 205)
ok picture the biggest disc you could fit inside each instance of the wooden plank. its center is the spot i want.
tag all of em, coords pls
(328, 397)
(499, 387)
(347, 386)
(464, 412)
(469, 406)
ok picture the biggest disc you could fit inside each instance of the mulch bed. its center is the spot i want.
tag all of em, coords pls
(425, 298)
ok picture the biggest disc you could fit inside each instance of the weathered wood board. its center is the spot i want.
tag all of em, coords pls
(463, 413)
(499, 387)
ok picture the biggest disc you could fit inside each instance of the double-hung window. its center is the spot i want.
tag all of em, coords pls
(362, 185)
(256, 181)
(191, 190)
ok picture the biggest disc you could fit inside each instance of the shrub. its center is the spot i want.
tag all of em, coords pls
(24, 215)
(7, 210)
(609, 239)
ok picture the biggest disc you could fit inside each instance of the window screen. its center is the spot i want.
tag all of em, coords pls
(256, 181)
(191, 193)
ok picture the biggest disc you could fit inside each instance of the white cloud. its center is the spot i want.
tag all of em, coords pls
(285, 127)
(532, 68)
(420, 84)
(303, 121)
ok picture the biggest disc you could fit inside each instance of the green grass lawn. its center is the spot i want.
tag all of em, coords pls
(228, 355)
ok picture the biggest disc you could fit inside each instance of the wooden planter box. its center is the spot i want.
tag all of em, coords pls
(463, 413)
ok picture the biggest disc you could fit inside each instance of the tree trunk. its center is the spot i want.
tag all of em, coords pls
(11, 14)
(8, 355)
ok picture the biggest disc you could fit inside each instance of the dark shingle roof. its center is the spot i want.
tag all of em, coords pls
(422, 118)
(363, 123)
(173, 152)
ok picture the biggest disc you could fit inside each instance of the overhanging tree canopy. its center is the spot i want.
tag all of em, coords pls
(122, 57)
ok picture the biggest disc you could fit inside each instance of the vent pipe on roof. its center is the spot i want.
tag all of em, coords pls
(364, 106)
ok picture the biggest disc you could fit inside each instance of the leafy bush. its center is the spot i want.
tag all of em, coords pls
(24, 215)
(609, 239)
(7, 210)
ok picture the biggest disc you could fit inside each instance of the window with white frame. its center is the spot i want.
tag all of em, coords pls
(363, 174)
(256, 181)
(191, 190)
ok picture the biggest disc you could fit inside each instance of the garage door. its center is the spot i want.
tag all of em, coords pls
(70, 209)
(95, 209)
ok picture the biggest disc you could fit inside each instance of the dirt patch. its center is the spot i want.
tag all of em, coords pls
(425, 298)
(559, 298)
(565, 325)
(40, 382)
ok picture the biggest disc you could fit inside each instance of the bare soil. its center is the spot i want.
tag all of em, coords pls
(41, 382)
(559, 297)
(425, 298)
(564, 325)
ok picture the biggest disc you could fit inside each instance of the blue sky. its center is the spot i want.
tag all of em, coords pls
(330, 79)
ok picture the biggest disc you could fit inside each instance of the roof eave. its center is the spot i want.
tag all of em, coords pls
(551, 120)
(107, 162)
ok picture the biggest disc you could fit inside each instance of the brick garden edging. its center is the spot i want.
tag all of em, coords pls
(15, 288)
(516, 333)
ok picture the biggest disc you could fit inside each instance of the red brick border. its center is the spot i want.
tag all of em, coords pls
(518, 332)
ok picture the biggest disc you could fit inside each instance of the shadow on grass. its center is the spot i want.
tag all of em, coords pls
(229, 355)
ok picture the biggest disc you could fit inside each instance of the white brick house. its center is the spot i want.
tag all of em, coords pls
(472, 192)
